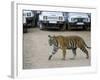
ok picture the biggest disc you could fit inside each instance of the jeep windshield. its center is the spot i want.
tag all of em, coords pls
(80, 15)
(52, 13)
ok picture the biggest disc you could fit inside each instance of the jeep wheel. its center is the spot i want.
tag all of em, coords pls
(41, 26)
(85, 27)
(63, 28)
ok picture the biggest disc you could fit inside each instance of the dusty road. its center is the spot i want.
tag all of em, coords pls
(36, 50)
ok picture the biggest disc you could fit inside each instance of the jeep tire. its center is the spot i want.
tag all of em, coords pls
(41, 26)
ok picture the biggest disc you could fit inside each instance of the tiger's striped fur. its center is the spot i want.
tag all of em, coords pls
(67, 42)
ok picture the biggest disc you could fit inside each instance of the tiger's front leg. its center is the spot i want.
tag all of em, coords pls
(64, 53)
(54, 50)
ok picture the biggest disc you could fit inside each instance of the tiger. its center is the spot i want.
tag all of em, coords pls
(67, 42)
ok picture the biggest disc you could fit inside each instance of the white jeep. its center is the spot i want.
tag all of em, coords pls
(76, 19)
(53, 20)
(28, 18)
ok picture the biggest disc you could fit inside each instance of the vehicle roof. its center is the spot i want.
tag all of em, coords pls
(27, 11)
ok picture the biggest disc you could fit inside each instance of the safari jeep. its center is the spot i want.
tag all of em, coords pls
(28, 18)
(53, 20)
(78, 20)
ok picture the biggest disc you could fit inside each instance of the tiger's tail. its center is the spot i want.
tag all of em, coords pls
(87, 46)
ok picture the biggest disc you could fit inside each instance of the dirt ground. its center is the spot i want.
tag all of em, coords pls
(36, 50)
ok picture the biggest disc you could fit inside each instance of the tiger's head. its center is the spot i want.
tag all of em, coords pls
(52, 40)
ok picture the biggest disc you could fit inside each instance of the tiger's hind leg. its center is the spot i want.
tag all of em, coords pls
(85, 51)
(74, 53)
(64, 54)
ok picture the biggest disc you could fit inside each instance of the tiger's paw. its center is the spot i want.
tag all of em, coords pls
(87, 57)
(63, 59)
(72, 58)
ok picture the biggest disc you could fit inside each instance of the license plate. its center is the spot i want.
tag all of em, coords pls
(80, 23)
(52, 21)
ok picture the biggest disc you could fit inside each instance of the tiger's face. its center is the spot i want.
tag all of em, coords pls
(51, 40)
(53, 46)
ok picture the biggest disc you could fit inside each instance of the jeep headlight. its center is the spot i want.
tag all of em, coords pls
(85, 20)
(73, 19)
(60, 18)
(45, 17)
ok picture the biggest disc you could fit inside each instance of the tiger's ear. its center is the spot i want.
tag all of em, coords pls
(49, 36)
